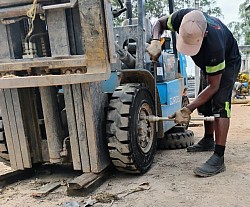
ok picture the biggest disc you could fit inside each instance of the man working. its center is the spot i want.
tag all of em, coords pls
(215, 51)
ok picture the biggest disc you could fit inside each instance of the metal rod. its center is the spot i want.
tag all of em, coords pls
(71, 4)
(157, 118)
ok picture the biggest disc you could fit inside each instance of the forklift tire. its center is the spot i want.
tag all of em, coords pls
(177, 138)
(4, 155)
(132, 142)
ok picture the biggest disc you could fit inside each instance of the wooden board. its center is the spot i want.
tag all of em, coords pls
(70, 110)
(87, 183)
(81, 128)
(7, 129)
(91, 133)
(30, 120)
(56, 21)
(24, 146)
(46, 189)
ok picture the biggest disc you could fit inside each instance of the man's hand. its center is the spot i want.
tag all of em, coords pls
(182, 116)
(154, 50)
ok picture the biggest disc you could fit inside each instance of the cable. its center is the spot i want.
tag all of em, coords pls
(31, 13)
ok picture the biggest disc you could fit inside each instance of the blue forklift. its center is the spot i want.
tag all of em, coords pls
(139, 88)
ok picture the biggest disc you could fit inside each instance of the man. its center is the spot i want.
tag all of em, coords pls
(215, 51)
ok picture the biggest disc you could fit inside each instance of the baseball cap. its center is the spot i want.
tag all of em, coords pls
(191, 33)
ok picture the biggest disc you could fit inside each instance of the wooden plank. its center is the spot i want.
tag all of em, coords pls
(15, 176)
(110, 31)
(20, 129)
(46, 189)
(52, 80)
(98, 96)
(92, 21)
(7, 130)
(70, 111)
(12, 12)
(89, 185)
(17, 2)
(13, 128)
(30, 120)
(81, 129)
(82, 180)
(91, 131)
(56, 22)
(7, 65)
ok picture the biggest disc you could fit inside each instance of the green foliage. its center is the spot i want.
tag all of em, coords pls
(119, 20)
(241, 30)
(245, 23)
(235, 28)
(156, 8)
(209, 6)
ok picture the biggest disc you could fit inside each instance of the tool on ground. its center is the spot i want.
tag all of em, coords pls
(152, 118)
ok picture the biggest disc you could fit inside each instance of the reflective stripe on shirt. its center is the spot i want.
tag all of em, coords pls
(214, 69)
(169, 24)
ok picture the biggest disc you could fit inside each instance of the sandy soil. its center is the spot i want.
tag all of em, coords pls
(170, 181)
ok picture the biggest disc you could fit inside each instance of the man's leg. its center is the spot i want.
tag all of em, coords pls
(215, 163)
(222, 112)
(221, 130)
(207, 142)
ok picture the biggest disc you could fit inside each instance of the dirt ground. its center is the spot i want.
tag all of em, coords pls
(170, 181)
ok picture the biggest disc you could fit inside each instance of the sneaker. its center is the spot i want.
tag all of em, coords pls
(205, 144)
(213, 166)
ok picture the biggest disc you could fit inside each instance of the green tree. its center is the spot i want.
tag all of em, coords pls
(156, 8)
(235, 28)
(241, 30)
(208, 6)
(245, 21)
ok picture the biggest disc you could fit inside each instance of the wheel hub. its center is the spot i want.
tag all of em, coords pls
(145, 129)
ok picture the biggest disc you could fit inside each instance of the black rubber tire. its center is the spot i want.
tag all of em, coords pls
(129, 149)
(176, 138)
(3, 145)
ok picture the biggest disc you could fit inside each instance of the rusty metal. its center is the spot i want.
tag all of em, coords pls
(18, 11)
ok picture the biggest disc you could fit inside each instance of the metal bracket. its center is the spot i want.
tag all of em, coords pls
(71, 4)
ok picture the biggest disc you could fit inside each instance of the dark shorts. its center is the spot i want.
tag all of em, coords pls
(220, 104)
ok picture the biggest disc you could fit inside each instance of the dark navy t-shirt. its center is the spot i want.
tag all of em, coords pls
(219, 48)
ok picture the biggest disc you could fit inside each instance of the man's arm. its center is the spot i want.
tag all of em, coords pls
(207, 93)
(154, 49)
(159, 27)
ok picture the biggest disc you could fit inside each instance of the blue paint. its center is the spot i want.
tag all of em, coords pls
(171, 98)
(109, 86)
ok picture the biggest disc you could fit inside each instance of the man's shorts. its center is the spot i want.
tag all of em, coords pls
(220, 104)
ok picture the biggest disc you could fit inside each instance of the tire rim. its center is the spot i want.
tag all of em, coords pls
(145, 129)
